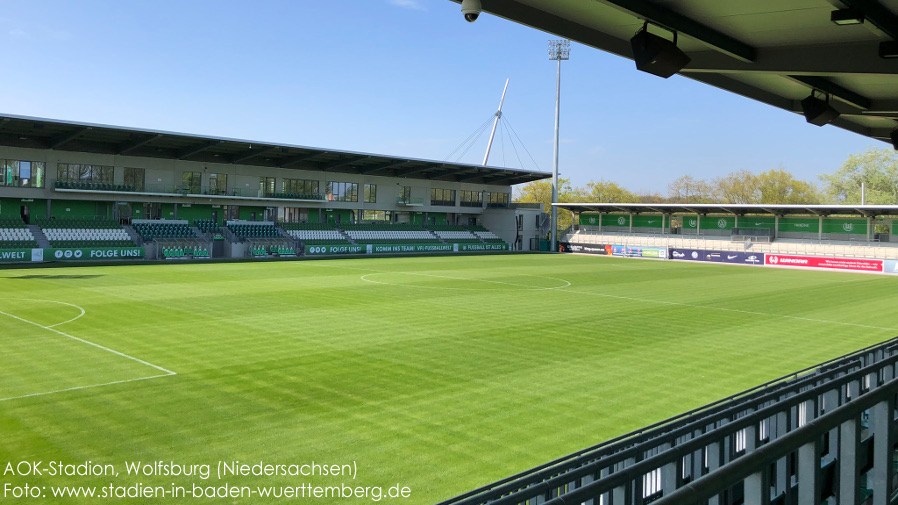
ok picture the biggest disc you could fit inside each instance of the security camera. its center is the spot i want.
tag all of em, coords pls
(471, 10)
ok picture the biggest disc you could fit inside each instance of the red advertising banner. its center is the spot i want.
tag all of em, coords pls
(780, 260)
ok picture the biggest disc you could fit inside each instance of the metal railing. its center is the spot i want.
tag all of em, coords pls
(645, 465)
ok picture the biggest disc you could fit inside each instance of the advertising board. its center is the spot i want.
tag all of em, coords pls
(858, 265)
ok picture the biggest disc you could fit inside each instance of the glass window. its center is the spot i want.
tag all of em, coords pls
(76, 172)
(370, 193)
(218, 184)
(191, 182)
(405, 194)
(444, 197)
(135, 179)
(377, 215)
(303, 187)
(471, 199)
(497, 200)
(23, 174)
(342, 191)
(266, 186)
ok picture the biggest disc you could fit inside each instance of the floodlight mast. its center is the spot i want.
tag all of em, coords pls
(558, 50)
(489, 145)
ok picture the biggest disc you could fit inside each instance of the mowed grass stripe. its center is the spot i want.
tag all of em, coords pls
(439, 389)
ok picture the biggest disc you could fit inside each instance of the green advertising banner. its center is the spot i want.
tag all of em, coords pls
(320, 250)
(14, 255)
(688, 222)
(647, 221)
(718, 222)
(589, 219)
(482, 247)
(835, 225)
(94, 253)
(799, 224)
(619, 220)
(760, 222)
(408, 248)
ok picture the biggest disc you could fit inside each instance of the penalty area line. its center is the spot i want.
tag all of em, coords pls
(98, 346)
(78, 388)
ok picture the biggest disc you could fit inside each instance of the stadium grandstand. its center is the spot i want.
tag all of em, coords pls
(72, 191)
(866, 231)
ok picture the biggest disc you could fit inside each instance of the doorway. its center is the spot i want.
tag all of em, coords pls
(25, 212)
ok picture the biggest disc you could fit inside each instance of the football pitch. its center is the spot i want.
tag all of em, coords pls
(435, 374)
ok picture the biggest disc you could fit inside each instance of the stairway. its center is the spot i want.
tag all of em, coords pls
(133, 234)
(39, 236)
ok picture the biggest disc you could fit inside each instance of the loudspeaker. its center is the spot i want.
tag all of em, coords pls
(818, 112)
(657, 55)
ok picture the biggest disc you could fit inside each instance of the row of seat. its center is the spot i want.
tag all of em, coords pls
(244, 231)
(94, 186)
(149, 231)
(78, 223)
(68, 244)
(181, 252)
(86, 234)
(17, 234)
(12, 223)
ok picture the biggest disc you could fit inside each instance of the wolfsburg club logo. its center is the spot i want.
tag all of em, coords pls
(721, 223)
(693, 223)
(621, 221)
(847, 226)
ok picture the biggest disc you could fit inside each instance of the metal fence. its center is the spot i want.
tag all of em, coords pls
(822, 427)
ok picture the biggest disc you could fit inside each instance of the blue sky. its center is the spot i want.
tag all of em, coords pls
(401, 77)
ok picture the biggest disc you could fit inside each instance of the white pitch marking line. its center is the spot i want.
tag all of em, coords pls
(77, 388)
(471, 280)
(53, 301)
(98, 346)
(724, 309)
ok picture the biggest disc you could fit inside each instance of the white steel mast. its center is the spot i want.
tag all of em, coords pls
(496, 122)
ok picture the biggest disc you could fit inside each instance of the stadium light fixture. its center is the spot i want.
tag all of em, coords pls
(843, 17)
(818, 112)
(657, 55)
(559, 50)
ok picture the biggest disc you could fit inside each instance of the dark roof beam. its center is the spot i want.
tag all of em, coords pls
(343, 162)
(301, 158)
(252, 153)
(413, 170)
(655, 13)
(384, 166)
(829, 87)
(127, 148)
(61, 140)
(849, 58)
(198, 149)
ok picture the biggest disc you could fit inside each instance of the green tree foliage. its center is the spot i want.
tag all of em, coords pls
(541, 192)
(737, 187)
(608, 192)
(688, 189)
(777, 186)
(878, 168)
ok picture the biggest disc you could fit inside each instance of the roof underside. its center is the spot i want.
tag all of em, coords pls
(734, 209)
(773, 51)
(35, 133)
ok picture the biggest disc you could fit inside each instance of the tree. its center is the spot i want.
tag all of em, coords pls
(877, 168)
(737, 187)
(688, 189)
(777, 186)
(608, 192)
(541, 192)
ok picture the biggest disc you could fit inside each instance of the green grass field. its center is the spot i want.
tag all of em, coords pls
(440, 374)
